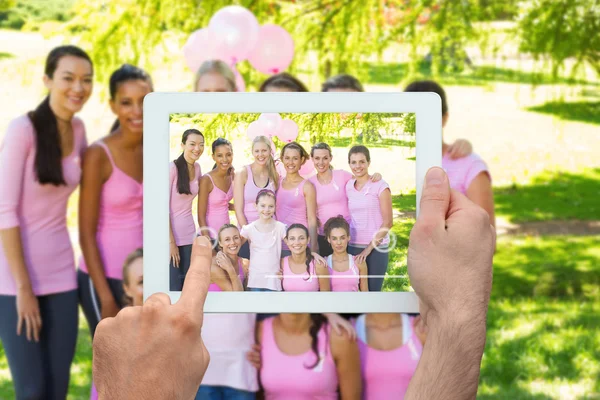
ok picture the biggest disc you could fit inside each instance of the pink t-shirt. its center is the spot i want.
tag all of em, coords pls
(217, 209)
(387, 373)
(331, 198)
(182, 220)
(291, 206)
(303, 282)
(250, 193)
(120, 223)
(462, 171)
(265, 255)
(38, 210)
(287, 377)
(365, 211)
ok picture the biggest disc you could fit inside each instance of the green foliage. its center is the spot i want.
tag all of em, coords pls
(16, 13)
(562, 29)
(584, 111)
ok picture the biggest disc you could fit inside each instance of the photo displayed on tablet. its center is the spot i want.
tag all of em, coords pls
(293, 202)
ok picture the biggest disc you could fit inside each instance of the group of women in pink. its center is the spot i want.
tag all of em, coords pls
(45, 157)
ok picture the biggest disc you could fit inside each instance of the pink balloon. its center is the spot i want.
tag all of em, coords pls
(273, 150)
(288, 132)
(254, 129)
(199, 47)
(271, 123)
(239, 80)
(236, 30)
(307, 170)
(274, 50)
(280, 168)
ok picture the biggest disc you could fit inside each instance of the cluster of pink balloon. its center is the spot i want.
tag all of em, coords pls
(272, 125)
(234, 35)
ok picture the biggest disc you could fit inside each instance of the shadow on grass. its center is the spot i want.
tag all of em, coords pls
(583, 111)
(393, 74)
(404, 202)
(4, 55)
(346, 141)
(552, 196)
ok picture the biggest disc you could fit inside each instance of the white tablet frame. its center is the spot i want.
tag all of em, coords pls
(158, 107)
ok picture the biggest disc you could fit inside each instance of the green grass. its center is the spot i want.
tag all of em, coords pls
(346, 141)
(4, 55)
(552, 196)
(582, 111)
(396, 73)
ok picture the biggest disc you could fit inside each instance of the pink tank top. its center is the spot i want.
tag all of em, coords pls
(182, 220)
(250, 193)
(120, 224)
(387, 373)
(217, 209)
(287, 377)
(365, 212)
(291, 206)
(331, 198)
(346, 281)
(303, 282)
(213, 287)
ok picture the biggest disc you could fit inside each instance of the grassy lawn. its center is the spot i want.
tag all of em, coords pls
(582, 111)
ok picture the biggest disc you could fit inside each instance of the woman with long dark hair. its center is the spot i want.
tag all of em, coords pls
(39, 169)
(111, 199)
(184, 180)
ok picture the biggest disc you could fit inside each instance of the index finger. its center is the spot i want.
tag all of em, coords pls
(197, 279)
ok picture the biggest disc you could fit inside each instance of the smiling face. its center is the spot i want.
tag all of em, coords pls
(292, 160)
(128, 104)
(223, 157)
(359, 164)
(135, 281)
(261, 152)
(230, 241)
(71, 84)
(193, 147)
(321, 159)
(266, 207)
(339, 238)
(297, 240)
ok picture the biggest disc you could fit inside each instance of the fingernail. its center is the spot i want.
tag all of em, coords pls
(434, 177)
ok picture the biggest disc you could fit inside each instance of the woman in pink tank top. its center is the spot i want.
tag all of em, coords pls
(390, 348)
(296, 197)
(302, 359)
(347, 275)
(300, 272)
(228, 271)
(261, 174)
(184, 178)
(330, 186)
(216, 191)
(40, 167)
(110, 202)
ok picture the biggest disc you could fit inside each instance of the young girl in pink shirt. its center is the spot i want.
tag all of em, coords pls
(111, 199)
(302, 358)
(216, 191)
(299, 271)
(296, 196)
(40, 167)
(184, 178)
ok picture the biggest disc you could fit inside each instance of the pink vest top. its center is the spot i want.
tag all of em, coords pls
(287, 377)
(331, 198)
(120, 224)
(213, 287)
(365, 212)
(250, 193)
(346, 281)
(303, 282)
(182, 220)
(387, 373)
(217, 209)
(291, 206)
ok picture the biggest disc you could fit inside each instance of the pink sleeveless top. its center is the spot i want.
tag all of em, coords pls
(217, 209)
(287, 377)
(120, 225)
(387, 373)
(303, 282)
(213, 287)
(365, 212)
(331, 198)
(250, 193)
(346, 281)
(291, 206)
(182, 220)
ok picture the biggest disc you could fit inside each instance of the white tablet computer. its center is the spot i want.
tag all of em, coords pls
(327, 187)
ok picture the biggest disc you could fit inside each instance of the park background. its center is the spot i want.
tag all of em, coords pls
(529, 104)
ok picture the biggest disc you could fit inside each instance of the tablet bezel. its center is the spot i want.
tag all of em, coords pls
(157, 108)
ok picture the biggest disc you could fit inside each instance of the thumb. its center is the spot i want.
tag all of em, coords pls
(435, 199)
